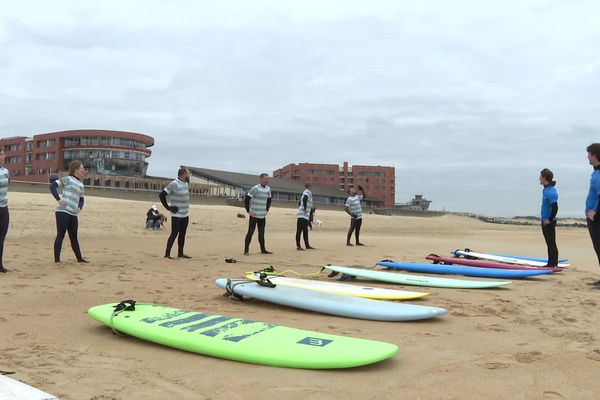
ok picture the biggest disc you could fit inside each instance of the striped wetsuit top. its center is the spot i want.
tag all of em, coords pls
(179, 194)
(4, 177)
(300, 213)
(72, 191)
(258, 200)
(353, 203)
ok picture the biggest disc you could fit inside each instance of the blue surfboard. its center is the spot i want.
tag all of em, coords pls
(462, 270)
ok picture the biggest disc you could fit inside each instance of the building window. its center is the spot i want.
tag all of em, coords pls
(14, 147)
(47, 143)
(371, 173)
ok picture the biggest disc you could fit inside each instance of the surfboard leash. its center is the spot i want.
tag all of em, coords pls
(125, 305)
(271, 271)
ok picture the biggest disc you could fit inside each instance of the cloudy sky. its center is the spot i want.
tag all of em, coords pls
(469, 100)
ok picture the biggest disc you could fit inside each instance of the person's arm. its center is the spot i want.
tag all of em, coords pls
(54, 190)
(552, 198)
(596, 216)
(347, 209)
(80, 205)
(305, 201)
(360, 188)
(163, 199)
(247, 203)
(554, 211)
(269, 200)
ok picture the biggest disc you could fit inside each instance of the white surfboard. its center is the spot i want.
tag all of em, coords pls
(508, 260)
(11, 389)
(347, 289)
(330, 303)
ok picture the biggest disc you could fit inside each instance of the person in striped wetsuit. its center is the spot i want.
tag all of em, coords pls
(179, 194)
(354, 209)
(258, 202)
(303, 217)
(4, 217)
(70, 204)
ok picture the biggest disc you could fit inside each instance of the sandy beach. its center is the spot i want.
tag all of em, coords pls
(536, 339)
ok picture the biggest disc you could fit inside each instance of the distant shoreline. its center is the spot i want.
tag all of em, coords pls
(524, 220)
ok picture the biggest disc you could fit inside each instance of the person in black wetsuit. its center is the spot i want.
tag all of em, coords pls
(354, 209)
(257, 202)
(179, 193)
(70, 204)
(303, 217)
(4, 217)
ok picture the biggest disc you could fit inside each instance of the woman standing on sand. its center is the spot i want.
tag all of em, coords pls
(4, 179)
(69, 206)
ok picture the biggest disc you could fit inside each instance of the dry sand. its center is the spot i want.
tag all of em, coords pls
(536, 339)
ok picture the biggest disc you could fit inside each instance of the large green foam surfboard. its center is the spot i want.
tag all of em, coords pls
(241, 339)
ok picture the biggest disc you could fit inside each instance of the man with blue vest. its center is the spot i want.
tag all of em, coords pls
(548, 215)
(258, 202)
(592, 202)
(179, 193)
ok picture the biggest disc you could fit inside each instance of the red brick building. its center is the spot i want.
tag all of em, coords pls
(379, 182)
(104, 152)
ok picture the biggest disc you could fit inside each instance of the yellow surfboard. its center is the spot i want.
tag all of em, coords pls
(347, 289)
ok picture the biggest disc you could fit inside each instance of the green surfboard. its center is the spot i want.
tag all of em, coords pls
(241, 339)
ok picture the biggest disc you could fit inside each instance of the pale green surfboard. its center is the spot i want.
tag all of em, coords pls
(416, 280)
(241, 339)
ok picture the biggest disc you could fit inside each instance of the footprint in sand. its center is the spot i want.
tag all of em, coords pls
(549, 395)
(496, 365)
(529, 357)
(594, 355)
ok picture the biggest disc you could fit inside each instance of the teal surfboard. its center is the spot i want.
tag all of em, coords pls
(241, 339)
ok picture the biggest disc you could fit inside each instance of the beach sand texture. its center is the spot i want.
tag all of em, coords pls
(536, 339)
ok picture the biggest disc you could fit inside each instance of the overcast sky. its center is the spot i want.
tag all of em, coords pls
(469, 100)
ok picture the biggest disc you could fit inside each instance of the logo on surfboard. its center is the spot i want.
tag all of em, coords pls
(313, 341)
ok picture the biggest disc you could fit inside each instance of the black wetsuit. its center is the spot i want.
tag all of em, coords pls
(549, 232)
(4, 220)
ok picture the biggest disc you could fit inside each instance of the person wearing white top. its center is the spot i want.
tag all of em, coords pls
(303, 217)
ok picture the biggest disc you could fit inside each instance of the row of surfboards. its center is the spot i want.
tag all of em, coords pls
(266, 343)
(270, 344)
